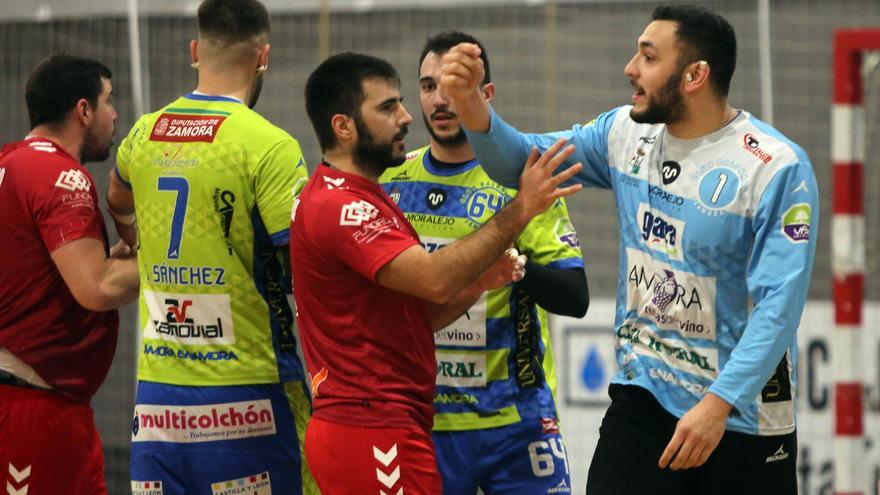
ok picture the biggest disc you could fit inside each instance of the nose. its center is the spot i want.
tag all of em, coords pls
(630, 69)
(404, 118)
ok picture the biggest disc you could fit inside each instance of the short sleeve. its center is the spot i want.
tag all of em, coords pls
(359, 233)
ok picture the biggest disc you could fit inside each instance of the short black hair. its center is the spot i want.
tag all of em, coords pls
(336, 87)
(441, 43)
(233, 20)
(60, 81)
(703, 35)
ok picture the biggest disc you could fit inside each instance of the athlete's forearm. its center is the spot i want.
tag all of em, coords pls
(562, 291)
(474, 112)
(444, 314)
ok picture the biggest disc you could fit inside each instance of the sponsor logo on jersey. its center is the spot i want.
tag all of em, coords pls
(566, 234)
(779, 455)
(171, 158)
(456, 398)
(673, 200)
(669, 377)
(190, 319)
(186, 128)
(78, 199)
(369, 232)
(562, 487)
(424, 218)
(670, 171)
(403, 175)
(469, 330)
(73, 180)
(660, 233)
(796, 222)
(204, 423)
(146, 488)
(673, 299)
(483, 203)
(434, 198)
(394, 194)
(201, 356)
(635, 162)
(357, 212)
(257, 484)
(224, 205)
(753, 146)
(461, 369)
(675, 353)
(549, 426)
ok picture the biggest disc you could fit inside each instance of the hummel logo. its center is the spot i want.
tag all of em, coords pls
(385, 457)
(73, 180)
(18, 476)
(801, 187)
(333, 183)
(780, 455)
(43, 146)
(2, 174)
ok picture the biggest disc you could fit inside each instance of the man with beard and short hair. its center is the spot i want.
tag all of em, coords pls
(718, 214)
(369, 297)
(446, 195)
(212, 183)
(60, 285)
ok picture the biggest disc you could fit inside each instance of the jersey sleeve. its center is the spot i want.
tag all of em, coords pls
(785, 228)
(123, 155)
(503, 150)
(278, 178)
(550, 239)
(358, 234)
(64, 204)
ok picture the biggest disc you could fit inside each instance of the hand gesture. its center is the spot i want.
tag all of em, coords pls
(509, 267)
(538, 187)
(461, 71)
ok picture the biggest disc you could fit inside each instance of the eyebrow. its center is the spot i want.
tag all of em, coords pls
(426, 78)
(389, 101)
(647, 44)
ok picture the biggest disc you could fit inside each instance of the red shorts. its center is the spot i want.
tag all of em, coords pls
(350, 459)
(48, 445)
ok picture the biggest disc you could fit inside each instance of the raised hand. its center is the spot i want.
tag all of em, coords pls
(538, 187)
(461, 71)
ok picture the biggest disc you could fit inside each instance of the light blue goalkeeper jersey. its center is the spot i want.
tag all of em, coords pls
(718, 237)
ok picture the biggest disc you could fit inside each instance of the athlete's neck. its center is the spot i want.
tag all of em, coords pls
(458, 154)
(344, 162)
(231, 82)
(71, 141)
(702, 118)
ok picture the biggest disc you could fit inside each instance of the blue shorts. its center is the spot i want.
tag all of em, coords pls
(220, 440)
(525, 458)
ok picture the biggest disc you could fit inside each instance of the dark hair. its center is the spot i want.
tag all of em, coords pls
(59, 82)
(703, 35)
(441, 43)
(335, 87)
(233, 20)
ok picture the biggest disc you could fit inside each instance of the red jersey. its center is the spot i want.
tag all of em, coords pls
(369, 349)
(48, 199)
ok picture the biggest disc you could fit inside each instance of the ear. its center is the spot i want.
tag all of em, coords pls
(83, 112)
(194, 53)
(344, 128)
(488, 91)
(696, 76)
(264, 58)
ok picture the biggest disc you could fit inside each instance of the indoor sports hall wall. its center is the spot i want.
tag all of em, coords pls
(555, 64)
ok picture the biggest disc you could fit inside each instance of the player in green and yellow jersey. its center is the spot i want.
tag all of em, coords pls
(496, 424)
(221, 399)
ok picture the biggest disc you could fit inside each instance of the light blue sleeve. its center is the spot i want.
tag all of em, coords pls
(786, 229)
(503, 150)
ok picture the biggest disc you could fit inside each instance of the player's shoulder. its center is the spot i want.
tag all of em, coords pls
(40, 156)
(407, 170)
(257, 131)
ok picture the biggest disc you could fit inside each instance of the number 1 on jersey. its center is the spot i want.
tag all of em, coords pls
(181, 187)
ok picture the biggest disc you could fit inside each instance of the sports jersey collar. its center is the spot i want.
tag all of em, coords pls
(196, 95)
(675, 143)
(327, 169)
(446, 172)
(30, 139)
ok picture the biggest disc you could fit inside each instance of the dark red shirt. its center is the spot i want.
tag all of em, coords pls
(48, 199)
(369, 349)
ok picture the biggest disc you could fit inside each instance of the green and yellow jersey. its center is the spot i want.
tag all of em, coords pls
(494, 364)
(213, 186)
